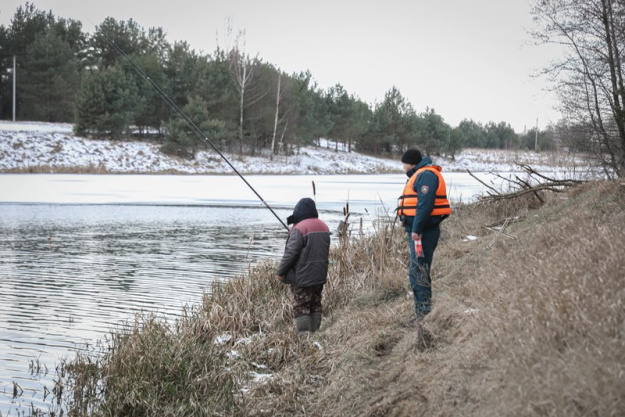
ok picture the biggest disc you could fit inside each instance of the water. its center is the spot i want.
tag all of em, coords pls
(82, 254)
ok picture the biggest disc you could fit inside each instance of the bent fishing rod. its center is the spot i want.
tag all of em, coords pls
(189, 123)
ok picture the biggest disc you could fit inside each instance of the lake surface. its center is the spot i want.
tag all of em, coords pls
(80, 255)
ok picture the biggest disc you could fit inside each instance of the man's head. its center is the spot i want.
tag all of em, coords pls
(410, 158)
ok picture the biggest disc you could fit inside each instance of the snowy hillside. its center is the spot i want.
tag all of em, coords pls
(48, 147)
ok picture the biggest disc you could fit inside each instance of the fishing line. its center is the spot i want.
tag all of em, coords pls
(189, 123)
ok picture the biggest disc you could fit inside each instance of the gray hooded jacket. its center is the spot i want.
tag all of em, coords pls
(307, 248)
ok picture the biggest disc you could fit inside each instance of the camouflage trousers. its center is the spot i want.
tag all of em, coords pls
(306, 300)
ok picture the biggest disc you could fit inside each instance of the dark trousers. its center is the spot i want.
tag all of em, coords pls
(306, 300)
(419, 270)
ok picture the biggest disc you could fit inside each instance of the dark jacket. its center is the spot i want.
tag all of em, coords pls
(423, 220)
(307, 248)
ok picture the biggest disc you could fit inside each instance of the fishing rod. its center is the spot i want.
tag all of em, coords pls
(189, 123)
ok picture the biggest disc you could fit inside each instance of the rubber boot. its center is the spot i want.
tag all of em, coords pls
(315, 321)
(302, 324)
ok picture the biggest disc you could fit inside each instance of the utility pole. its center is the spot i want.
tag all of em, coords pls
(536, 139)
(14, 83)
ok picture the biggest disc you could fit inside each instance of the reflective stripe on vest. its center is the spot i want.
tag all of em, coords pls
(407, 202)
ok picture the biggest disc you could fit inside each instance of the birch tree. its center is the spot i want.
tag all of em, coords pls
(242, 68)
(275, 122)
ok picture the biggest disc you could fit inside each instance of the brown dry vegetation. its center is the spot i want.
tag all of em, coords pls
(527, 326)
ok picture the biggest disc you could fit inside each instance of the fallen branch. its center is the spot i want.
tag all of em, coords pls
(500, 226)
(535, 184)
(501, 232)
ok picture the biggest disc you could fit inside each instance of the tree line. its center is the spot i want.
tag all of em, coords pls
(239, 102)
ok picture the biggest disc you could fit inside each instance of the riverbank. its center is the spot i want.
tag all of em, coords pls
(529, 322)
(35, 147)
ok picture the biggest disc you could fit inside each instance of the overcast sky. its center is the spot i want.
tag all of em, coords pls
(467, 59)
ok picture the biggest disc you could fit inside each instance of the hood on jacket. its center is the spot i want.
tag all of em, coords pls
(304, 209)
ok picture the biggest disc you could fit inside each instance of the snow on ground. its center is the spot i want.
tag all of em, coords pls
(36, 127)
(52, 147)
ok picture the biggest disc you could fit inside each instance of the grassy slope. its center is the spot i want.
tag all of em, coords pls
(526, 326)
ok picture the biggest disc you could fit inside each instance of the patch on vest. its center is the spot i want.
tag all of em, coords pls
(424, 189)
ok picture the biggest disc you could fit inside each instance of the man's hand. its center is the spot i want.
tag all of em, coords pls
(415, 236)
(280, 278)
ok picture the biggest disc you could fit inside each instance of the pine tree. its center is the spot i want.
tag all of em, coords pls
(181, 139)
(106, 104)
(151, 110)
(52, 75)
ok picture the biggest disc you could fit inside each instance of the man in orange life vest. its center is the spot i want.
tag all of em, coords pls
(422, 206)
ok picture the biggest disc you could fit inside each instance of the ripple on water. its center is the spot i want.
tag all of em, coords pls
(70, 275)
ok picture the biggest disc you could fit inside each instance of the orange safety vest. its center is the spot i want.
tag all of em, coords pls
(407, 204)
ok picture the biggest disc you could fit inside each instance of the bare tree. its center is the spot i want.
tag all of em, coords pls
(275, 122)
(589, 78)
(283, 115)
(242, 68)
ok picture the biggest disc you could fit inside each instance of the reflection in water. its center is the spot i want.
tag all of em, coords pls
(69, 274)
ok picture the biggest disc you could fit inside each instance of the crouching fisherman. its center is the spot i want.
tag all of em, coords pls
(304, 265)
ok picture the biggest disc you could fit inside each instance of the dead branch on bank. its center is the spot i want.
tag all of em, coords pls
(534, 183)
(499, 227)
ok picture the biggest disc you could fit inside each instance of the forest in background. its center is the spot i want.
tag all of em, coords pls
(126, 82)
(99, 82)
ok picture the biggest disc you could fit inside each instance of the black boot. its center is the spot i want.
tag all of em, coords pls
(302, 324)
(315, 321)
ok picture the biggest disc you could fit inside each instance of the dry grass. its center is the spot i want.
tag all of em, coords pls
(152, 369)
(525, 326)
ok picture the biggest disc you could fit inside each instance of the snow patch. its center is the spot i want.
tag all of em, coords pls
(25, 145)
